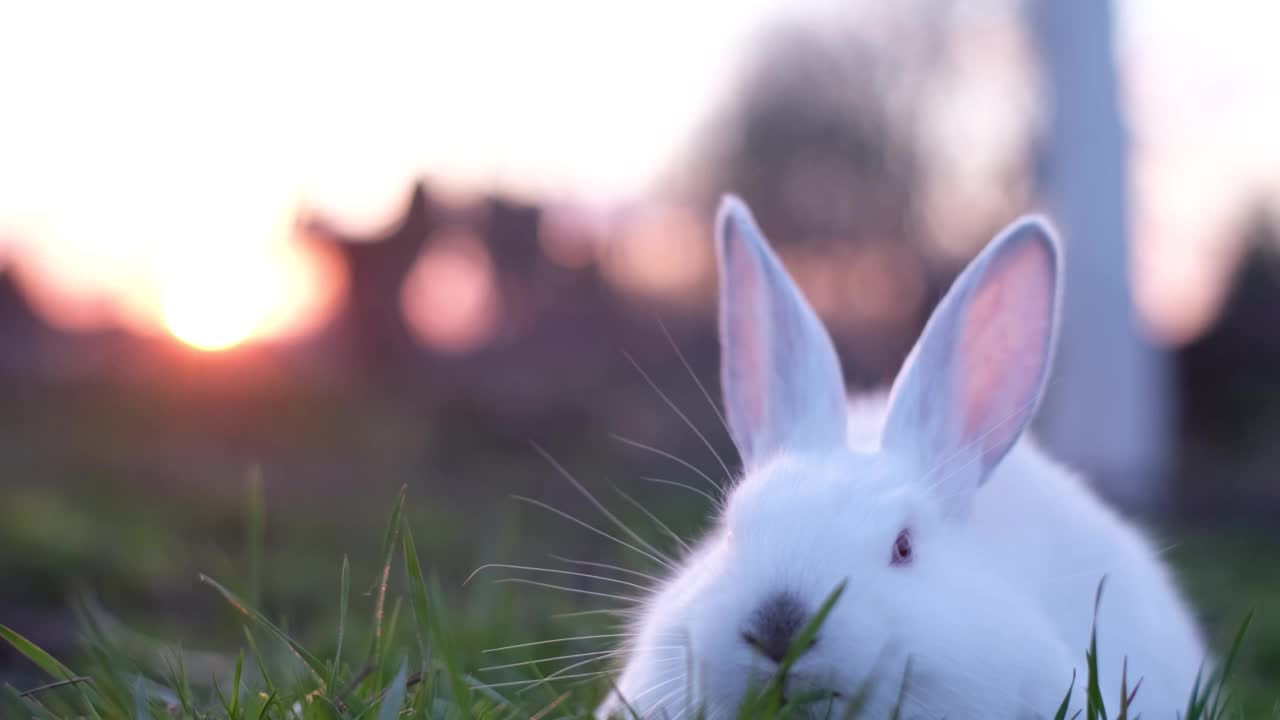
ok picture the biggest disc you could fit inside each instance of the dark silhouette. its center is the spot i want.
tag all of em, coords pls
(1230, 385)
(371, 328)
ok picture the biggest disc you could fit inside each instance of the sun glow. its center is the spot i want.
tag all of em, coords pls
(218, 298)
(198, 320)
(115, 157)
(211, 303)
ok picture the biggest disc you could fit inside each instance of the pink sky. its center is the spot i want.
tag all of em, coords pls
(143, 173)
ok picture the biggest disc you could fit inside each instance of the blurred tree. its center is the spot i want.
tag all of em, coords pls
(20, 329)
(813, 145)
(1230, 383)
(1108, 409)
(371, 325)
(820, 141)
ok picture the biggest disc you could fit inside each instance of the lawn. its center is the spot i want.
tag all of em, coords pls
(145, 570)
(356, 648)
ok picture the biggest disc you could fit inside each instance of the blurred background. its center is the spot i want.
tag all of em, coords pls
(347, 250)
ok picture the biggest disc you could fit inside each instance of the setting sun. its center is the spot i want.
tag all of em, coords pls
(207, 310)
(217, 299)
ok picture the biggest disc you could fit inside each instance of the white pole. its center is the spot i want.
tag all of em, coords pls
(1109, 409)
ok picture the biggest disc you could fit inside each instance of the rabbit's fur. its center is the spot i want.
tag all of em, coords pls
(985, 610)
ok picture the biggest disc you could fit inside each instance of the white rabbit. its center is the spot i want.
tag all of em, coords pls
(969, 555)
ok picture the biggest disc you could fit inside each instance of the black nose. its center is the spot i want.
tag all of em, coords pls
(773, 627)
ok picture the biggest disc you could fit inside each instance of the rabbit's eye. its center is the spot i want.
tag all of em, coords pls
(901, 549)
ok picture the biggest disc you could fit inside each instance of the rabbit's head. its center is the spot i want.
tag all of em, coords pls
(809, 514)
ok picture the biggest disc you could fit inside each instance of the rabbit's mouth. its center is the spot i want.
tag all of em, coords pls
(811, 697)
(799, 694)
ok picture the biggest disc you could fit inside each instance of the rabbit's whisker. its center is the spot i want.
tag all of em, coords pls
(592, 657)
(688, 705)
(517, 683)
(662, 683)
(550, 586)
(603, 510)
(620, 612)
(606, 566)
(559, 640)
(716, 503)
(694, 376)
(670, 456)
(673, 695)
(551, 570)
(654, 519)
(676, 408)
(599, 654)
(561, 672)
(538, 503)
(574, 656)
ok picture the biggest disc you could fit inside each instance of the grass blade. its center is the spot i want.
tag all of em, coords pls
(1066, 701)
(1095, 708)
(809, 633)
(1123, 712)
(394, 699)
(180, 683)
(393, 625)
(255, 533)
(1229, 663)
(384, 576)
(770, 700)
(140, 711)
(53, 686)
(257, 659)
(46, 662)
(35, 654)
(235, 687)
(445, 648)
(343, 601)
(266, 705)
(418, 593)
(310, 661)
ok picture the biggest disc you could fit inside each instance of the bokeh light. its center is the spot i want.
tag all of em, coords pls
(661, 253)
(450, 297)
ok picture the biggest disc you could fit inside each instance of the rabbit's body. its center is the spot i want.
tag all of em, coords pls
(1055, 540)
(970, 560)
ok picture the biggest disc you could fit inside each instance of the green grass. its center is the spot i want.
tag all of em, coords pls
(1230, 575)
(420, 661)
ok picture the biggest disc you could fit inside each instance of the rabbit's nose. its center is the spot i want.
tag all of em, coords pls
(774, 625)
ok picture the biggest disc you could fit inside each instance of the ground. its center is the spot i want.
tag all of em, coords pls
(93, 523)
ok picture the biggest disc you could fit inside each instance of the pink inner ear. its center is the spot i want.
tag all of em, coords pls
(1004, 345)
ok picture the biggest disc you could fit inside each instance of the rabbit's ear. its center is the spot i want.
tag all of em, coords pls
(780, 376)
(974, 379)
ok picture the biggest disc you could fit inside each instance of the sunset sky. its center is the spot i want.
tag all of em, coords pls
(152, 158)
